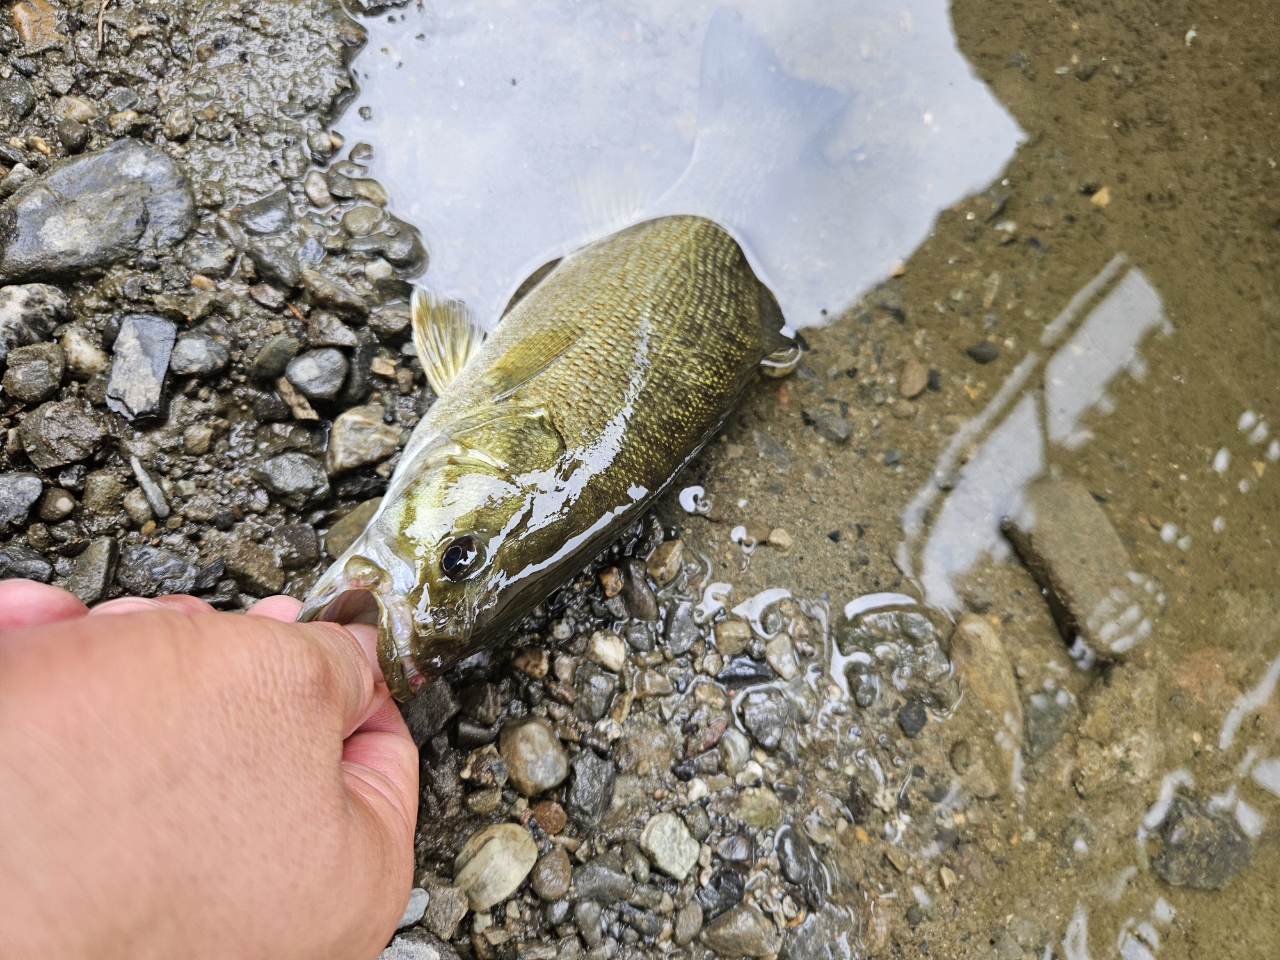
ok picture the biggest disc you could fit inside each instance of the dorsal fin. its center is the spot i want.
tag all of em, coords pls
(446, 336)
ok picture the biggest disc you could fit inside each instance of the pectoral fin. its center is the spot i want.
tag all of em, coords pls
(446, 336)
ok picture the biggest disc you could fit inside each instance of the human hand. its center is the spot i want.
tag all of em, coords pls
(181, 782)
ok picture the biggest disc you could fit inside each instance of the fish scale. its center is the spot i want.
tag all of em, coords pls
(597, 386)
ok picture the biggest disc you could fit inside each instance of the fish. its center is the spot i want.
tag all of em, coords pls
(550, 436)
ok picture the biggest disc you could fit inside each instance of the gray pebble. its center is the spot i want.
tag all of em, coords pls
(743, 931)
(596, 689)
(586, 914)
(153, 571)
(141, 361)
(326, 330)
(764, 714)
(34, 372)
(601, 878)
(418, 945)
(1201, 850)
(361, 221)
(156, 499)
(276, 263)
(983, 352)
(318, 374)
(416, 907)
(268, 216)
(18, 494)
(94, 210)
(829, 424)
(273, 356)
(591, 791)
(93, 570)
(550, 878)
(198, 355)
(912, 718)
(255, 566)
(535, 759)
(61, 432)
(295, 478)
(682, 632)
(22, 563)
(688, 923)
(333, 294)
(636, 592)
(209, 256)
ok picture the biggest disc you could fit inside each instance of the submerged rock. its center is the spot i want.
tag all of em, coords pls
(28, 314)
(1075, 555)
(1202, 849)
(94, 210)
(142, 351)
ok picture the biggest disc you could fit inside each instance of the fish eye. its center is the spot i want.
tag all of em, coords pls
(459, 557)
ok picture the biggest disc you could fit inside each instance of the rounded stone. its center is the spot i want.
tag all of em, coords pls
(667, 843)
(198, 355)
(360, 436)
(550, 879)
(535, 759)
(493, 863)
(318, 374)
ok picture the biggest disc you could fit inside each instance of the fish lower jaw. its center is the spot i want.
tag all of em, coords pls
(344, 603)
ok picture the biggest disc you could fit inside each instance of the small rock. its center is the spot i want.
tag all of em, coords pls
(913, 379)
(550, 880)
(591, 791)
(361, 221)
(602, 878)
(73, 135)
(493, 863)
(829, 424)
(256, 567)
(102, 492)
(682, 633)
(37, 24)
(295, 478)
(427, 714)
(94, 210)
(725, 888)
(1075, 555)
(28, 314)
(360, 436)
(18, 494)
(274, 355)
(1202, 850)
(742, 671)
(344, 532)
(666, 841)
(93, 570)
(535, 759)
(208, 256)
(416, 907)
(742, 932)
(333, 294)
(586, 915)
(636, 592)
(151, 490)
(781, 540)
(75, 108)
(297, 545)
(984, 351)
(447, 907)
(983, 667)
(780, 654)
(198, 355)
(23, 563)
(276, 263)
(35, 372)
(197, 439)
(317, 190)
(664, 563)
(608, 650)
(418, 945)
(550, 816)
(153, 571)
(141, 361)
(688, 923)
(732, 637)
(265, 295)
(56, 504)
(61, 432)
(137, 507)
(759, 807)
(390, 322)
(734, 749)
(764, 714)
(85, 358)
(326, 330)
(268, 216)
(912, 717)
(595, 690)
(533, 662)
(318, 374)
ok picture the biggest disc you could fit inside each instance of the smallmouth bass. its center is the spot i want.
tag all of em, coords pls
(549, 437)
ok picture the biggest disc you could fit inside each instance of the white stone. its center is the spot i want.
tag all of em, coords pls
(667, 842)
(607, 649)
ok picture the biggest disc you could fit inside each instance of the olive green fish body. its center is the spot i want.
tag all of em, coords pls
(584, 403)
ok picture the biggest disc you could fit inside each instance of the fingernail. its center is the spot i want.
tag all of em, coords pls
(127, 605)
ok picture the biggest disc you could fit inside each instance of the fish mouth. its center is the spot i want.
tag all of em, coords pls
(362, 593)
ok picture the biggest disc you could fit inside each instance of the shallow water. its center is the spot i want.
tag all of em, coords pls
(1122, 262)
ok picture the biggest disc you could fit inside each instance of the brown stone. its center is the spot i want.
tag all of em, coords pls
(550, 816)
(664, 562)
(37, 24)
(914, 378)
(533, 662)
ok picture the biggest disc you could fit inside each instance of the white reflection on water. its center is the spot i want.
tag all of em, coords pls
(824, 136)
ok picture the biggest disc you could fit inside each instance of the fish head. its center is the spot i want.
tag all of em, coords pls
(430, 568)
